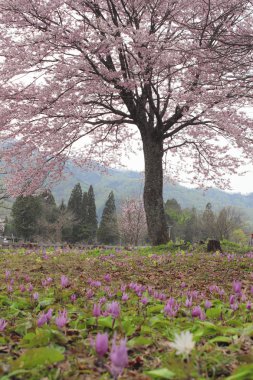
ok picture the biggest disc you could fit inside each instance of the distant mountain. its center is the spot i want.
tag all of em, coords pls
(127, 183)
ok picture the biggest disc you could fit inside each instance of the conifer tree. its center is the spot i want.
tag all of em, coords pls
(75, 207)
(84, 218)
(25, 212)
(208, 223)
(92, 223)
(75, 201)
(64, 223)
(108, 232)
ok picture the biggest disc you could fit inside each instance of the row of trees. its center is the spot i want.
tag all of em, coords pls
(192, 225)
(180, 79)
(39, 218)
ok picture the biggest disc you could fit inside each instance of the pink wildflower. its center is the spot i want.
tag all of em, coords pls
(64, 281)
(101, 344)
(119, 358)
(62, 319)
(3, 324)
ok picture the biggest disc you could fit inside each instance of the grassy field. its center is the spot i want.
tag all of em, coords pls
(55, 304)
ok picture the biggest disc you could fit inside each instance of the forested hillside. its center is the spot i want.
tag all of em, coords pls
(126, 183)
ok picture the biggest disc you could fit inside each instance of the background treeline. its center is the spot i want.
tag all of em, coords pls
(192, 225)
(39, 218)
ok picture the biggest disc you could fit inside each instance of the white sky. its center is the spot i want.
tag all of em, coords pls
(242, 184)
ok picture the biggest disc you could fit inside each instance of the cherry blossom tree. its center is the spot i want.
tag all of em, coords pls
(177, 73)
(132, 221)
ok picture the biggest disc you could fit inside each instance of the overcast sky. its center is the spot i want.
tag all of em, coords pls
(242, 184)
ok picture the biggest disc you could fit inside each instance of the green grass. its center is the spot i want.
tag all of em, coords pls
(223, 340)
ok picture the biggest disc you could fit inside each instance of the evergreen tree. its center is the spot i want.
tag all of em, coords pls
(84, 218)
(192, 231)
(49, 206)
(63, 224)
(9, 229)
(62, 206)
(75, 207)
(26, 212)
(208, 223)
(108, 232)
(92, 223)
(174, 216)
(75, 201)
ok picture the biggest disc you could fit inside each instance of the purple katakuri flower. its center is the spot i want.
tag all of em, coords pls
(35, 296)
(49, 314)
(171, 309)
(96, 310)
(101, 344)
(27, 278)
(171, 301)
(232, 299)
(64, 281)
(162, 296)
(196, 312)
(237, 287)
(30, 288)
(102, 300)
(3, 324)
(234, 306)
(62, 319)
(188, 302)
(208, 304)
(42, 320)
(113, 308)
(213, 288)
(89, 293)
(119, 358)
(7, 274)
(9, 289)
(125, 297)
(243, 297)
(107, 277)
(22, 288)
(47, 281)
(248, 305)
(73, 297)
(144, 300)
(96, 284)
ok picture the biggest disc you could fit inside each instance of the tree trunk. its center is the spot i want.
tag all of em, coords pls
(213, 246)
(153, 190)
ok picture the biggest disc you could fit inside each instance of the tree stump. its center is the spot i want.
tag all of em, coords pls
(213, 246)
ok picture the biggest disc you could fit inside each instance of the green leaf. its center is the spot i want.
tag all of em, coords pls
(161, 373)
(244, 372)
(47, 302)
(22, 328)
(214, 312)
(21, 304)
(105, 322)
(14, 373)
(158, 321)
(155, 309)
(221, 339)
(41, 338)
(128, 326)
(37, 356)
(140, 341)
